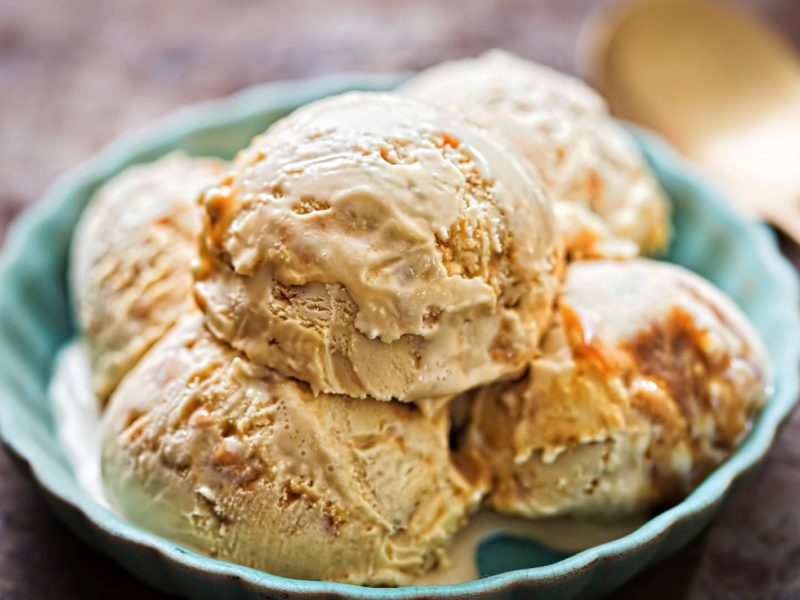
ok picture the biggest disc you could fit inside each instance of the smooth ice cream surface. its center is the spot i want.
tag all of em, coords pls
(372, 245)
(131, 255)
(204, 447)
(561, 129)
(648, 378)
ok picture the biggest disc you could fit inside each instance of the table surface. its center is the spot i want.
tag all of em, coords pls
(73, 75)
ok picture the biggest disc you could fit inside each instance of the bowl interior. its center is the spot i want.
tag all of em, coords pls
(35, 321)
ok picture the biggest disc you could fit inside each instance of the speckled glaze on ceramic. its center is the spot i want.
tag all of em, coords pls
(739, 257)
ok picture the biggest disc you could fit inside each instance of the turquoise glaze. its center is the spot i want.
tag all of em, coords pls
(738, 256)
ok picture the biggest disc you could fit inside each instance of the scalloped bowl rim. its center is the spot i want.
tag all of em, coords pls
(250, 101)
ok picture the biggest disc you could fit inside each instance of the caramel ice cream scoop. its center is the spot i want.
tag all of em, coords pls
(648, 379)
(209, 449)
(561, 129)
(371, 245)
(131, 260)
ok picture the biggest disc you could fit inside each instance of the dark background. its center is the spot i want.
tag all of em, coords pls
(76, 73)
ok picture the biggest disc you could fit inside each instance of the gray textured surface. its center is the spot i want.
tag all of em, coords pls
(75, 74)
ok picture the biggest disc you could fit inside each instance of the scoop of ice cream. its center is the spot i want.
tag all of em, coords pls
(131, 260)
(371, 245)
(648, 379)
(206, 448)
(561, 128)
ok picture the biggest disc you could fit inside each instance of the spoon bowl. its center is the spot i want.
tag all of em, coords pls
(722, 86)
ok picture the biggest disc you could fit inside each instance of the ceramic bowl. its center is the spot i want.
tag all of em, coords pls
(738, 256)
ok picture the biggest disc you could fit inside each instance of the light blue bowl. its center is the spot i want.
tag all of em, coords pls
(740, 257)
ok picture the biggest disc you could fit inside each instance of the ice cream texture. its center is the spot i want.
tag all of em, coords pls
(320, 359)
(648, 379)
(211, 450)
(372, 245)
(562, 129)
(131, 273)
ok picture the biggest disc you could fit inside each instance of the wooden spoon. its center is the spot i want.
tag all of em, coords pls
(722, 86)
